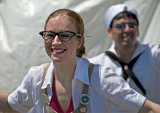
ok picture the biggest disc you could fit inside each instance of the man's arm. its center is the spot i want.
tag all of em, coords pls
(4, 106)
(150, 107)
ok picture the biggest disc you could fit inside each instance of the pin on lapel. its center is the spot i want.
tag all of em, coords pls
(84, 100)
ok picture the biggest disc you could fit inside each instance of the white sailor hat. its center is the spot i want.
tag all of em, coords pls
(116, 9)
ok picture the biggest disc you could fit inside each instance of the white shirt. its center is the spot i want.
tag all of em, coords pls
(146, 68)
(105, 88)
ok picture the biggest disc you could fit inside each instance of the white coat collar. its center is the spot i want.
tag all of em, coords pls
(81, 72)
(139, 49)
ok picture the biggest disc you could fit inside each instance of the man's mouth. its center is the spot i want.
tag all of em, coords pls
(126, 38)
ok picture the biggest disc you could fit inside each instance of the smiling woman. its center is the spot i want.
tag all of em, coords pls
(76, 21)
(71, 83)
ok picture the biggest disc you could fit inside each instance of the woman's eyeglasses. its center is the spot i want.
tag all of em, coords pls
(121, 26)
(63, 36)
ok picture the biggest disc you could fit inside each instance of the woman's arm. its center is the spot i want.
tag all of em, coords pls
(4, 106)
(150, 107)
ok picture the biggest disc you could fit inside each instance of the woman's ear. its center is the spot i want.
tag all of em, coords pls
(80, 41)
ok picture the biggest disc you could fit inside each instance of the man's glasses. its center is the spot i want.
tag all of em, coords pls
(63, 36)
(121, 26)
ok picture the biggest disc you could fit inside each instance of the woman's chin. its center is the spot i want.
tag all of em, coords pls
(55, 59)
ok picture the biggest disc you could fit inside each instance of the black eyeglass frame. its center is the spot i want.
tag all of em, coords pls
(58, 34)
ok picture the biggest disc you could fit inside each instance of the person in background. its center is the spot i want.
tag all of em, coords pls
(71, 83)
(138, 64)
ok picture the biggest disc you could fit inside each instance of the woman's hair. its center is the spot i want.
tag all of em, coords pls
(123, 15)
(77, 21)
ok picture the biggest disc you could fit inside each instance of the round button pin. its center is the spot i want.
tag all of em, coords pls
(83, 109)
(126, 67)
(84, 99)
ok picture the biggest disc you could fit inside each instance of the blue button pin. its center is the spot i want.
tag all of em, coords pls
(84, 99)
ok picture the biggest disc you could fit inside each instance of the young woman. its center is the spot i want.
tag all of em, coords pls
(70, 83)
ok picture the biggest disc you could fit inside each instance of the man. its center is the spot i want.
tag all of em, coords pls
(137, 63)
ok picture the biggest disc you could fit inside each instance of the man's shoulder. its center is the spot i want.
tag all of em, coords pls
(152, 48)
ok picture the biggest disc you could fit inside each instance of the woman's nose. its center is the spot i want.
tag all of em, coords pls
(56, 39)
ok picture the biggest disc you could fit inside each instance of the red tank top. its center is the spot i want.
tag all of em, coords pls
(55, 104)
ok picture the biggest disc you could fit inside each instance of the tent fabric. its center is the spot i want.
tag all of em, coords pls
(21, 20)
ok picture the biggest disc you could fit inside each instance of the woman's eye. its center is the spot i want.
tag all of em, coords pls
(65, 35)
(50, 36)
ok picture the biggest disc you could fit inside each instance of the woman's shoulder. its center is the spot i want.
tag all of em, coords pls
(35, 69)
(103, 69)
(104, 74)
(36, 72)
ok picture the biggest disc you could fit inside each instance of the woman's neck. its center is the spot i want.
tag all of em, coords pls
(64, 72)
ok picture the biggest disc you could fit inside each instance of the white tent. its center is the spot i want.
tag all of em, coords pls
(21, 20)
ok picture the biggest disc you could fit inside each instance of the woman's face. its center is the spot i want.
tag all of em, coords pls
(61, 51)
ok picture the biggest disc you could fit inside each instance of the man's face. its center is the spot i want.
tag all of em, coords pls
(124, 32)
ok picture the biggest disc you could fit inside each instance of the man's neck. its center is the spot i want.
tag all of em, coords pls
(125, 54)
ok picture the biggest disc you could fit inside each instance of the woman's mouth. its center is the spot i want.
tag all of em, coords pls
(58, 51)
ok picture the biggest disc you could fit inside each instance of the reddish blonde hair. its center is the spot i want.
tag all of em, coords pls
(77, 21)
